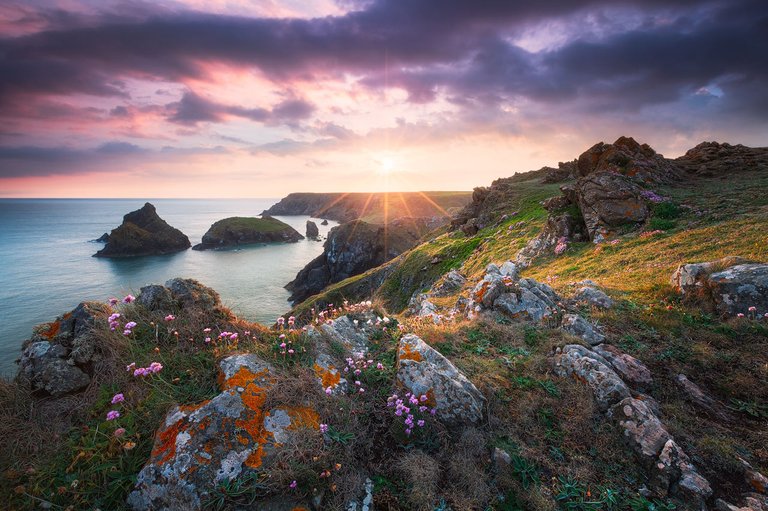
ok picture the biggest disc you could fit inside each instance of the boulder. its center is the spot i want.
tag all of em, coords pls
(629, 368)
(142, 233)
(736, 289)
(231, 436)
(238, 231)
(629, 158)
(588, 295)
(450, 283)
(424, 371)
(690, 280)
(156, 298)
(699, 397)
(104, 238)
(528, 300)
(59, 357)
(589, 367)
(609, 201)
(580, 327)
(324, 222)
(713, 158)
(312, 230)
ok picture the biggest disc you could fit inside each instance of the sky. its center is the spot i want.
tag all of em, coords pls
(235, 98)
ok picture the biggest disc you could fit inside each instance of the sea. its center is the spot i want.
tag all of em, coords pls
(47, 268)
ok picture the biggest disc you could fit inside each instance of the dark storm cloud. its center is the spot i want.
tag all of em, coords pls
(424, 46)
(193, 108)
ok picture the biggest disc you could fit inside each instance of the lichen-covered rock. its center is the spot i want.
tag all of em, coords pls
(491, 287)
(199, 447)
(422, 370)
(155, 298)
(608, 201)
(696, 394)
(690, 280)
(593, 297)
(59, 357)
(713, 158)
(189, 293)
(354, 337)
(629, 158)
(143, 232)
(580, 327)
(560, 229)
(736, 289)
(626, 366)
(585, 365)
(449, 283)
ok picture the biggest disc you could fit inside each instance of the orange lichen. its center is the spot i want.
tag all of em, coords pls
(251, 422)
(299, 508)
(165, 443)
(51, 330)
(431, 401)
(481, 292)
(408, 353)
(330, 377)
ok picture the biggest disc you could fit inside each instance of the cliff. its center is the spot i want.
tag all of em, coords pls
(142, 233)
(355, 247)
(372, 207)
(237, 231)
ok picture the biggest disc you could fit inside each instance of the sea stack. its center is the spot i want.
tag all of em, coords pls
(142, 233)
(312, 230)
(236, 231)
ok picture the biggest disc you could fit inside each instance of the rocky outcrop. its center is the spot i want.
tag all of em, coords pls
(591, 296)
(702, 399)
(179, 294)
(351, 249)
(561, 229)
(59, 359)
(713, 158)
(231, 436)
(142, 233)
(729, 285)
(564, 172)
(580, 327)
(604, 370)
(607, 201)
(424, 371)
(312, 230)
(237, 231)
(629, 158)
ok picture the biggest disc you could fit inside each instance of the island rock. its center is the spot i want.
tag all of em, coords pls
(142, 233)
(312, 230)
(236, 231)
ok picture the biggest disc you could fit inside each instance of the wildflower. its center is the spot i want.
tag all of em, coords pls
(291, 352)
(361, 391)
(130, 325)
(155, 367)
(170, 317)
(328, 391)
(207, 339)
(130, 366)
(118, 398)
(420, 423)
(323, 428)
(282, 336)
(615, 242)
(113, 301)
(740, 315)
(112, 415)
(357, 382)
(293, 484)
(379, 366)
(119, 432)
(233, 337)
(753, 309)
(355, 322)
(281, 321)
(423, 398)
(128, 298)
(206, 330)
(283, 345)
(129, 445)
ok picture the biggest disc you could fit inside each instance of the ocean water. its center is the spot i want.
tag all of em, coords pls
(46, 267)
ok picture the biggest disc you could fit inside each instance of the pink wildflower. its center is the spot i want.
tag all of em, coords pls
(753, 309)
(328, 391)
(170, 317)
(128, 298)
(112, 415)
(323, 428)
(293, 484)
(118, 398)
(119, 432)
(113, 301)
(740, 315)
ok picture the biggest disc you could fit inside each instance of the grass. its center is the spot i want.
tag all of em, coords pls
(250, 224)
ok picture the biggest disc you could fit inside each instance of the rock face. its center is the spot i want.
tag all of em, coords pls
(608, 200)
(422, 370)
(236, 231)
(580, 327)
(586, 365)
(312, 230)
(60, 356)
(142, 233)
(202, 446)
(627, 157)
(713, 158)
(729, 285)
(350, 249)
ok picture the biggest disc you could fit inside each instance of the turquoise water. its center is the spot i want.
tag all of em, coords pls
(46, 267)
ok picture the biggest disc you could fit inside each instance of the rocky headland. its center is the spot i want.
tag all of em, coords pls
(143, 233)
(238, 231)
(372, 207)
(591, 337)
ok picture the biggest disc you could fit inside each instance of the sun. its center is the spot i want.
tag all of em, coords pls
(386, 166)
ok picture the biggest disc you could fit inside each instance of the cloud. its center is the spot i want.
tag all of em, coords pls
(193, 108)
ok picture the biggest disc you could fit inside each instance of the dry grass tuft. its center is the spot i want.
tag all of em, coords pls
(422, 472)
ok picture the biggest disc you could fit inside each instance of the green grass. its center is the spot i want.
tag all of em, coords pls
(240, 223)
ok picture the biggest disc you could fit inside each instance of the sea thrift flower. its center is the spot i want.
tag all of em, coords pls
(112, 415)
(170, 317)
(562, 245)
(113, 301)
(118, 398)
(328, 391)
(128, 298)
(207, 339)
(131, 366)
(206, 330)
(293, 484)
(233, 337)
(323, 428)
(753, 309)
(740, 315)
(155, 367)
(119, 432)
